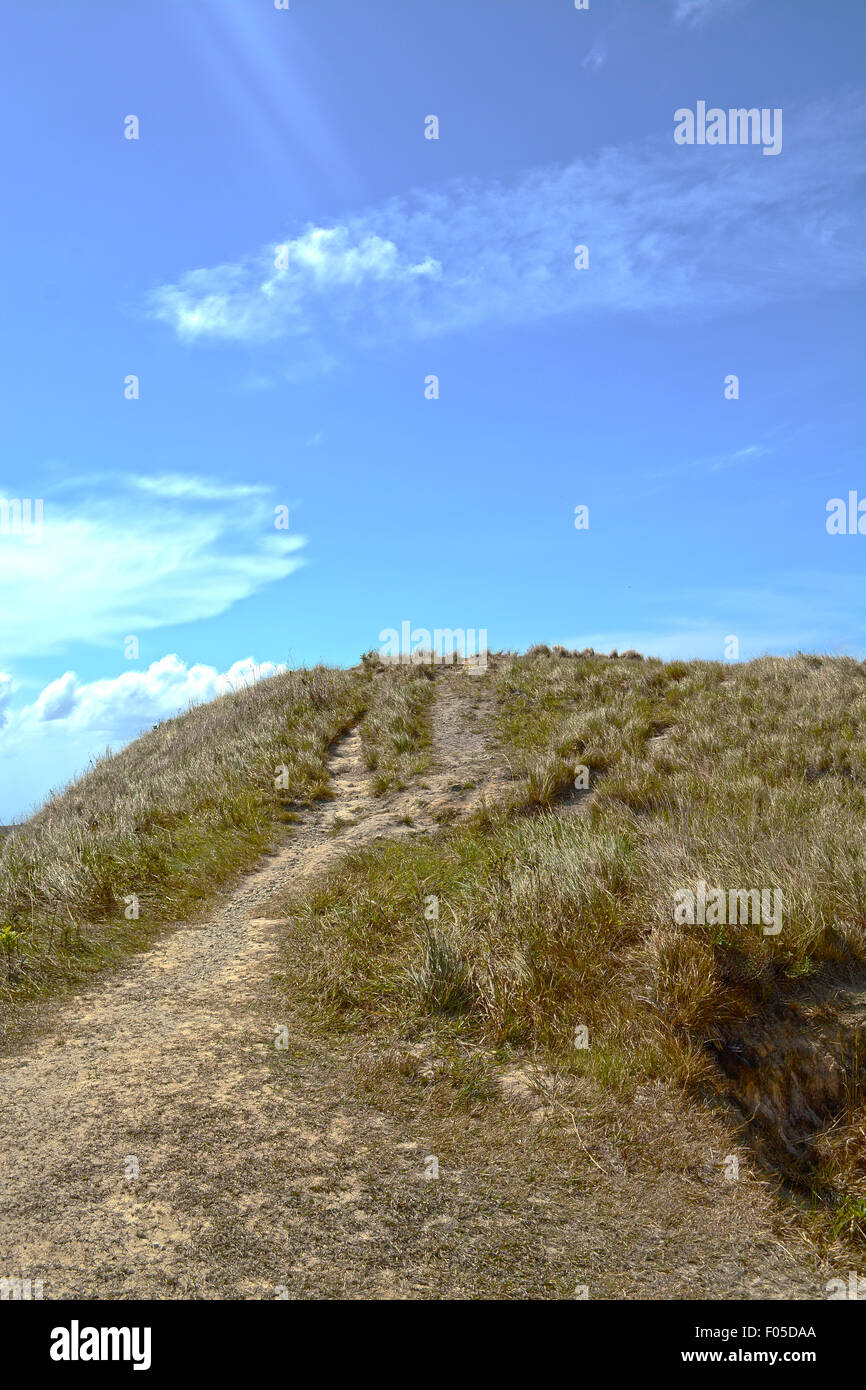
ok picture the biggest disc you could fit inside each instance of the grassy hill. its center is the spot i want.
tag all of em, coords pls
(551, 943)
(556, 912)
(179, 813)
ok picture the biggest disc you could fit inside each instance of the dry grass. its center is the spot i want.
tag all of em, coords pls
(169, 819)
(749, 776)
(555, 947)
(744, 776)
(395, 735)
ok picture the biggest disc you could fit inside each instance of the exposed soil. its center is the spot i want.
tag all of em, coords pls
(179, 1135)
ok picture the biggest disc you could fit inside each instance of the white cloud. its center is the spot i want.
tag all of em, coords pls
(134, 699)
(137, 555)
(668, 228)
(57, 700)
(261, 297)
(51, 741)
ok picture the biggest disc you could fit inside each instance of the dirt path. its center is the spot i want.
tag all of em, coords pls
(140, 1141)
(159, 1144)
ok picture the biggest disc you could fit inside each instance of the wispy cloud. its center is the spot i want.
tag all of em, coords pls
(695, 13)
(686, 231)
(595, 58)
(172, 485)
(135, 555)
(750, 454)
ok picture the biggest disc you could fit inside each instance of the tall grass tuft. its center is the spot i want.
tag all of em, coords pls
(395, 735)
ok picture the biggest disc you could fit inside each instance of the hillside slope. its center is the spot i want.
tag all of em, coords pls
(358, 1076)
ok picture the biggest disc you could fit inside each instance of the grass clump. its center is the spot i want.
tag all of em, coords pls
(440, 980)
(395, 735)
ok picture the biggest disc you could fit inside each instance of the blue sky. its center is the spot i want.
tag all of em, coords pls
(304, 385)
